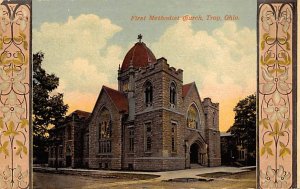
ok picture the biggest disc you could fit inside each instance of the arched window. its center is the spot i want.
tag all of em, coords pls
(193, 120)
(172, 94)
(105, 131)
(148, 93)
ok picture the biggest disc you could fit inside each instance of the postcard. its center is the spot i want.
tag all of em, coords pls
(149, 94)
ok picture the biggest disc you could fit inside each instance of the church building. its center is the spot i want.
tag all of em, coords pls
(152, 122)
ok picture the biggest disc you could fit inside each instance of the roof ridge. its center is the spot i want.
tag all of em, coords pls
(110, 88)
(186, 88)
(115, 90)
(147, 51)
(131, 60)
(189, 83)
(81, 111)
(118, 98)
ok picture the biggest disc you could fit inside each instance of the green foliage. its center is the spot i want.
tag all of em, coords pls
(244, 127)
(48, 107)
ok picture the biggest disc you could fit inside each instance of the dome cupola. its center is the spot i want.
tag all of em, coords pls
(138, 56)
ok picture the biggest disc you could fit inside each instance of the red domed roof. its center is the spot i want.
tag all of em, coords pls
(139, 56)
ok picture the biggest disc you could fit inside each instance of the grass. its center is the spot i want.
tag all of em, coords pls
(229, 175)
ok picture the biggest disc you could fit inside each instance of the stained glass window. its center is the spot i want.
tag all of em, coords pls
(193, 117)
(105, 132)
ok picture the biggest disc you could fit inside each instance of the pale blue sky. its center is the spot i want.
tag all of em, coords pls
(120, 12)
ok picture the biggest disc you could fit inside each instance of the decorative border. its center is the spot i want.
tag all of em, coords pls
(276, 148)
(15, 94)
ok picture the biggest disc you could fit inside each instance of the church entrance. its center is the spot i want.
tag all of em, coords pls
(68, 161)
(194, 153)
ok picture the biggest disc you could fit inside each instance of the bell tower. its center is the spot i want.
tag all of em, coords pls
(139, 56)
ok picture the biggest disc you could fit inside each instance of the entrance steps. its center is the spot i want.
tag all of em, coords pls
(195, 166)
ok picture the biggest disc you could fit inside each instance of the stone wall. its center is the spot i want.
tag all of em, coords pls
(212, 132)
(155, 119)
(170, 118)
(110, 160)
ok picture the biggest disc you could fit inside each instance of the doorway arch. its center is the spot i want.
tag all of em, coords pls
(194, 153)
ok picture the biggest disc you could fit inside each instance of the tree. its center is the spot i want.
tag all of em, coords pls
(48, 107)
(244, 127)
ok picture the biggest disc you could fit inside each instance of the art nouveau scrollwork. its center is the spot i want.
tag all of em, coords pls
(275, 95)
(14, 94)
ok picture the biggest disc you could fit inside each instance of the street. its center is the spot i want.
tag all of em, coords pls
(221, 179)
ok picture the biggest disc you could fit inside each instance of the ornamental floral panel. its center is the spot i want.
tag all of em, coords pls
(276, 97)
(15, 19)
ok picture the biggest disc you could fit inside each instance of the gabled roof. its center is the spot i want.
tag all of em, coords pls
(118, 98)
(81, 114)
(186, 88)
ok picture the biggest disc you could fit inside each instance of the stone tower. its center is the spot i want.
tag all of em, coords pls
(159, 119)
(211, 111)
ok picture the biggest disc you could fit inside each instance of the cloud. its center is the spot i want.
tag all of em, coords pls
(222, 62)
(78, 51)
(226, 51)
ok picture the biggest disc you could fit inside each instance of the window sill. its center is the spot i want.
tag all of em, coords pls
(192, 129)
(173, 153)
(172, 106)
(149, 105)
(102, 154)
